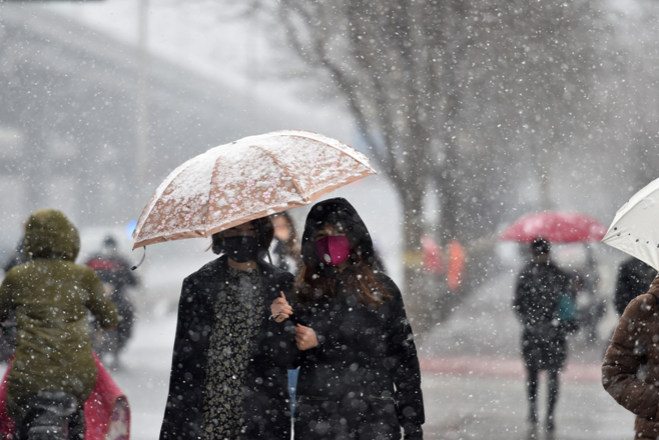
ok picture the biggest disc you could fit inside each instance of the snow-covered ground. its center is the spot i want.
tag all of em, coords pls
(459, 405)
(144, 375)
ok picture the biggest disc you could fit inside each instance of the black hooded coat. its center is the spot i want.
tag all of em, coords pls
(536, 303)
(265, 405)
(363, 378)
(634, 279)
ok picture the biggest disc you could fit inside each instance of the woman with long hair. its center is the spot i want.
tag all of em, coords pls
(285, 248)
(359, 371)
(228, 377)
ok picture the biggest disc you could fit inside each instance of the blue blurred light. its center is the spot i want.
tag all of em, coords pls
(130, 227)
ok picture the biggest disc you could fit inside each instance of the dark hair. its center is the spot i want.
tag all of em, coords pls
(313, 286)
(264, 232)
(540, 246)
(318, 280)
(289, 247)
(109, 241)
(313, 282)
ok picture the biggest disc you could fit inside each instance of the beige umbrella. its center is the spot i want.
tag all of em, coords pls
(247, 179)
(635, 227)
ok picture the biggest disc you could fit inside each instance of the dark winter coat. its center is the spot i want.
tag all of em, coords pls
(630, 372)
(537, 296)
(266, 376)
(634, 278)
(115, 270)
(366, 358)
(52, 297)
(365, 370)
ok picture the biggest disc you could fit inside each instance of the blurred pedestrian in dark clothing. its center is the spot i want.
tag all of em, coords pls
(591, 307)
(359, 370)
(114, 271)
(540, 286)
(634, 279)
(228, 377)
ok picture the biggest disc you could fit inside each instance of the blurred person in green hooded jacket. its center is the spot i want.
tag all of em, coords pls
(51, 296)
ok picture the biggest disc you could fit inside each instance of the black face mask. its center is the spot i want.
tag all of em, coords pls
(241, 249)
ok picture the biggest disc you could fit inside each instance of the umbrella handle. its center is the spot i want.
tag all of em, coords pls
(141, 261)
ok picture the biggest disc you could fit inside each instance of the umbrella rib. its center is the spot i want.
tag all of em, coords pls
(207, 207)
(160, 190)
(274, 159)
(349, 151)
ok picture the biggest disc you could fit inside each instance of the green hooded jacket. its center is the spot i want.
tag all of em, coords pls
(52, 296)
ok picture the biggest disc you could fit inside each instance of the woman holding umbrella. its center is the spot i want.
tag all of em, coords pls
(359, 371)
(228, 377)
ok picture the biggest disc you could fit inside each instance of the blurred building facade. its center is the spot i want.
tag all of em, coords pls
(70, 120)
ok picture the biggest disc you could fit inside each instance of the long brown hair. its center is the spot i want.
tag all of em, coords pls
(317, 280)
(290, 247)
(313, 286)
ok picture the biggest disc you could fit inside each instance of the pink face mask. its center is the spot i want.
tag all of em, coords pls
(333, 250)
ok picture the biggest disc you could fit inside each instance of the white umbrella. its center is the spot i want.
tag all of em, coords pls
(247, 179)
(635, 228)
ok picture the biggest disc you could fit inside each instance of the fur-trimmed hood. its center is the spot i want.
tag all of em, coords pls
(50, 234)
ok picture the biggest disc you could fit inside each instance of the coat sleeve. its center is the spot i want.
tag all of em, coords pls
(278, 344)
(406, 372)
(626, 355)
(519, 302)
(183, 413)
(99, 303)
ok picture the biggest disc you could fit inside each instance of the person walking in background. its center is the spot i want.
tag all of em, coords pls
(228, 377)
(630, 371)
(285, 248)
(54, 370)
(540, 286)
(285, 252)
(634, 278)
(114, 271)
(359, 371)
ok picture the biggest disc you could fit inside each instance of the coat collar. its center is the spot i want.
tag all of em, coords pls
(218, 267)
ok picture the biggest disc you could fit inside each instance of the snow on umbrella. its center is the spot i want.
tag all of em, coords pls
(556, 227)
(247, 179)
(635, 227)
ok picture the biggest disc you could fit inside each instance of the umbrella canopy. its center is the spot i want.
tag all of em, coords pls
(556, 227)
(247, 179)
(635, 228)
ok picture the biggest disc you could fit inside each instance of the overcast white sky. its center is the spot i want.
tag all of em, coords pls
(184, 33)
(191, 33)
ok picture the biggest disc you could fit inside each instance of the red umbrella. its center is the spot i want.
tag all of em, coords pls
(556, 227)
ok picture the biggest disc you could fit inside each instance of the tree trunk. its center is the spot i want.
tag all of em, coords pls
(418, 301)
